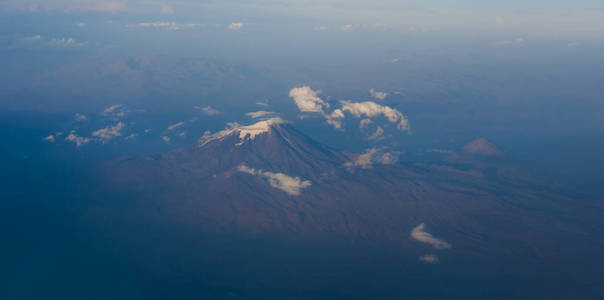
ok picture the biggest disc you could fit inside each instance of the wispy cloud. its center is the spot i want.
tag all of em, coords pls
(166, 139)
(80, 117)
(235, 26)
(131, 136)
(263, 103)
(176, 126)
(208, 110)
(419, 234)
(260, 114)
(345, 28)
(291, 185)
(39, 41)
(165, 25)
(50, 139)
(429, 259)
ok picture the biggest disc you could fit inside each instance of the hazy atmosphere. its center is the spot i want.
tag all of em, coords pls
(301, 149)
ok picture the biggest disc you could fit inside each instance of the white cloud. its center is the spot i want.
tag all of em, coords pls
(115, 110)
(81, 25)
(65, 43)
(374, 156)
(50, 138)
(175, 126)
(108, 133)
(37, 40)
(291, 185)
(334, 119)
(364, 123)
(319, 28)
(132, 136)
(33, 38)
(165, 139)
(307, 100)
(265, 103)
(78, 140)
(259, 114)
(429, 259)
(345, 28)
(372, 109)
(80, 117)
(421, 235)
(165, 25)
(208, 110)
(442, 151)
(235, 26)
(378, 95)
(379, 132)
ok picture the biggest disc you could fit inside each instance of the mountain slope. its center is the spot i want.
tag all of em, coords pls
(268, 178)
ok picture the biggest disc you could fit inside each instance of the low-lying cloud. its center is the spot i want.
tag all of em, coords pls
(108, 133)
(374, 156)
(372, 109)
(235, 26)
(176, 126)
(419, 234)
(378, 95)
(78, 140)
(260, 114)
(308, 101)
(429, 259)
(291, 185)
(208, 110)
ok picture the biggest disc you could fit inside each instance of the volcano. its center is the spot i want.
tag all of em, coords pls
(269, 178)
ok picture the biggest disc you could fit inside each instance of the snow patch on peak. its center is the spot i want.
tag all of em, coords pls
(258, 128)
(244, 133)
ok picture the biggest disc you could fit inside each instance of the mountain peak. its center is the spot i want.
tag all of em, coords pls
(482, 146)
(244, 133)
